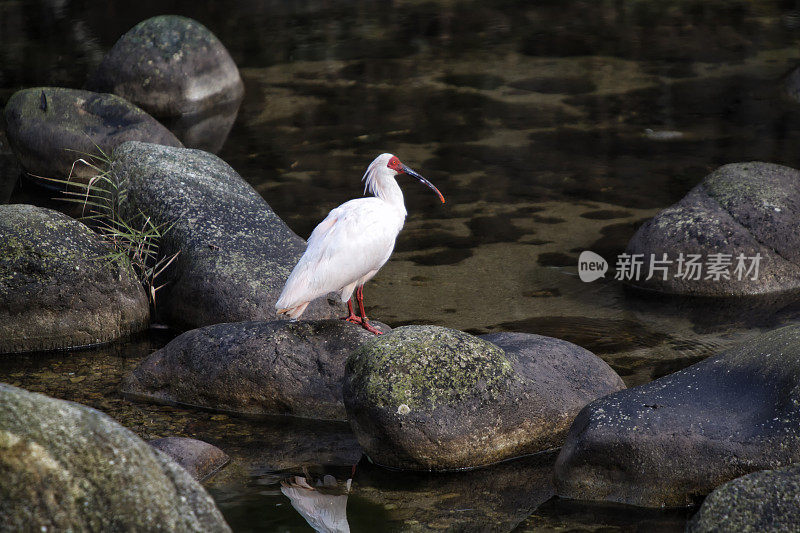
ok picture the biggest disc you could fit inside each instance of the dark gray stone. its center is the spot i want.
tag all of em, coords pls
(432, 398)
(254, 368)
(55, 290)
(671, 441)
(49, 128)
(235, 252)
(67, 467)
(761, 502)
(743, 208)
(199, 458)
(169, 65)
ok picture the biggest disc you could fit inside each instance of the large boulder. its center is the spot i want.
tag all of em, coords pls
(67, 467)
(748, 209)
(50, 128)
(761, 502)
(671, 441)
(56, 290)
(235, 252)
(433, 398)
(253, 368)
(169, 65)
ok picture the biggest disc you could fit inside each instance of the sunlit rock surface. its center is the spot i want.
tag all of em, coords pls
(671, 441)
(433, 398)
(68, 467)
(235, 253)
(56, 290)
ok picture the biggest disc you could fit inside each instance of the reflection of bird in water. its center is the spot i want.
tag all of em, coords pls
(349, 247)
(324, 506)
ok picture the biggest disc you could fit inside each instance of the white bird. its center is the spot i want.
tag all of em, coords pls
(353, 242)
(324, 506)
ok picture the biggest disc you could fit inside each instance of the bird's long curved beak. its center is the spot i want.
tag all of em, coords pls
(411, 172)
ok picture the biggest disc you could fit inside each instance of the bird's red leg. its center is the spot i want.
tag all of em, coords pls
(352, 317)
(364, 321)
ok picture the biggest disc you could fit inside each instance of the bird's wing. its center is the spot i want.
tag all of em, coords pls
(354, 239)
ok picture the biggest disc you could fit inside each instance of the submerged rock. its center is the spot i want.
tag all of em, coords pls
(747, 209)
(67, 467)
(432, 398)
(50, 128)
(55, 290)
(761, 502)
(673, 440)
(169, 65)
(199, 458)
(254, 368)
(235, 252)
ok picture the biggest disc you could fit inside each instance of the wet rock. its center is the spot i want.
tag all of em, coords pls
(67, 467)
(743, 208)
(207, 130)
(169, 65)
(49, 128)
(763, 502)
(55, 291)
(432, 398)
(254, 368)
(199, 458)
(673, 440)
(235, 252)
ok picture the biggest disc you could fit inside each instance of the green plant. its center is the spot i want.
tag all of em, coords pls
(134, 239)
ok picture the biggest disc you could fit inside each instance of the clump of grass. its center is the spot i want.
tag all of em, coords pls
(134, 239)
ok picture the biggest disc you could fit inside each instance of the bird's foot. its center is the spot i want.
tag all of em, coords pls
(369, 327)
(355, 319)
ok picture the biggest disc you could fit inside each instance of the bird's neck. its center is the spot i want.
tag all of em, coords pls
(389, 191)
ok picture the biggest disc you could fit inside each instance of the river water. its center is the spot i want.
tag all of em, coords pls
(550, 129)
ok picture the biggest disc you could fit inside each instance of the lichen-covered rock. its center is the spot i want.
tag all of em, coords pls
(67, 467)
(673, 440)
(432, 398)
(169, 65)
(49, 128)
(761, 502)
(749, 209)
(55, 290)
(254, 368)
(199, 458)
(235, 252)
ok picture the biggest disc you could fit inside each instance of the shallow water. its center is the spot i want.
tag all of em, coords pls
(551, 129)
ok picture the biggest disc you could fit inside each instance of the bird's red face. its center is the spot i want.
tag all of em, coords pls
(395, 164)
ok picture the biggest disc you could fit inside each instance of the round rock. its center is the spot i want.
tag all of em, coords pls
(253, 368)
(50, 128)
(67, 467)
(671, 441)
(433, 398)
(55, 290)
(199, 458)
(761, 502)
(169, 65)
(742, 209)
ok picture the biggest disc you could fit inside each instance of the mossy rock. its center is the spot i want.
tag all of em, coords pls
(762, 502)
(170, 65)
(50, 128)
(750, 209)
(235, 253)
(67, 467)
(673, 440)
(55, 290)
(433, 398)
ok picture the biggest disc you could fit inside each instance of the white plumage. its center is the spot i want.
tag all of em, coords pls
(353, 242)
